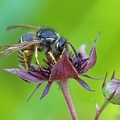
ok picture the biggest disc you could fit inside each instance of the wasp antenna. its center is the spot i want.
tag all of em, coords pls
(22, 27)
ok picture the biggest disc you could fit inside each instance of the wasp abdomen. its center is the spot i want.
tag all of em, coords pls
(25, 55)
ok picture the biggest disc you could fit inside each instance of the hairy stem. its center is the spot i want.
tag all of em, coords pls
(98, 112)
(65, 90)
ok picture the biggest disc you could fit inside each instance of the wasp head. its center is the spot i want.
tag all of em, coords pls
(47, 36)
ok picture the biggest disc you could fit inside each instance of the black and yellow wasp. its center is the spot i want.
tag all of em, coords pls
(30, 44)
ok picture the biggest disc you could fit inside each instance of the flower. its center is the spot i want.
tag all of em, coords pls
(111, 90)
(66, 67)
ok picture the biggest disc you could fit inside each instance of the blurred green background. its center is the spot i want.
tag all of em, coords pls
(79, 21)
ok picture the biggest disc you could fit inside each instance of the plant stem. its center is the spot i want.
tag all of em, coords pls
(65, 90)
(98, 112)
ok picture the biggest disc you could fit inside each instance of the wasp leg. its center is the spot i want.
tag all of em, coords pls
(36, 57)
(74, 50)
(51, 55)
(25, 58)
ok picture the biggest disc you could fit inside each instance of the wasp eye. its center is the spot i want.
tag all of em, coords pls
(39, 35)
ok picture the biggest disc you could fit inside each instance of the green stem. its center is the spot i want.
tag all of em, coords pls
(98, 112)
(65, 90)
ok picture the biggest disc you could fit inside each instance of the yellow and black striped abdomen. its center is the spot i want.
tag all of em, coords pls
(25, 55)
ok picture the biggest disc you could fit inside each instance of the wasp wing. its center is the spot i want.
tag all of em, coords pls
(9, 49)
(22, 27)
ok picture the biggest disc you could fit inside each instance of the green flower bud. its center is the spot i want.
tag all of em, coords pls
(111, 90)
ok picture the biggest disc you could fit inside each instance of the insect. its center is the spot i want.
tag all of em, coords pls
(30, 44)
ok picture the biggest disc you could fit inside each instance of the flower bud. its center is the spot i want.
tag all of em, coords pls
(111, 90)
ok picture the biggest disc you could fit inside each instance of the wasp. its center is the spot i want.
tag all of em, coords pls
(30, 44)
